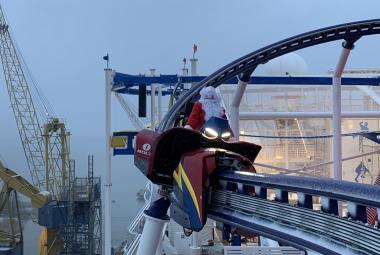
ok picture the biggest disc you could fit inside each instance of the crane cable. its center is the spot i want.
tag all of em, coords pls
(43, 105)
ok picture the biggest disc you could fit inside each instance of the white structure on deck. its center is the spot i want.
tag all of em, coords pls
(282, 111)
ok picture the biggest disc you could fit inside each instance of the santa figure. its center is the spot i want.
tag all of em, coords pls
(209, 105)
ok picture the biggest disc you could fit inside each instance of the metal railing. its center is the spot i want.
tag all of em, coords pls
(133, 230)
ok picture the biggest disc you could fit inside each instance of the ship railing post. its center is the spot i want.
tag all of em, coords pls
(159, 103)
(152, 101)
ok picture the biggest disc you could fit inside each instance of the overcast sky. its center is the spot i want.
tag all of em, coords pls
(63, 43)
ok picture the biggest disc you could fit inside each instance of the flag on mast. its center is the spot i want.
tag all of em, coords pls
(195, 49)
(106, 58)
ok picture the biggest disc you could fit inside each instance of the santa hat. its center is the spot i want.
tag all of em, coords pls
(211, 103)
(208, 94)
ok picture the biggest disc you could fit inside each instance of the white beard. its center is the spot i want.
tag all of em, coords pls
(212, 108)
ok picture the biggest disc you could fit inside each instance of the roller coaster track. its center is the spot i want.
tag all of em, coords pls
(304, 228)
(301, 226)
(245, 65)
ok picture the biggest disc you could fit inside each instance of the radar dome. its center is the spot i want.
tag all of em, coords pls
(290, 64)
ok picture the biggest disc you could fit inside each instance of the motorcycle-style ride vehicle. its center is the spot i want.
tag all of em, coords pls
(184, 161)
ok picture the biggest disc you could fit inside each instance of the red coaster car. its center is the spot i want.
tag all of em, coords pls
(184, 161)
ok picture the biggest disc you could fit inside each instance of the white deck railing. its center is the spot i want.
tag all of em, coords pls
(131, 247)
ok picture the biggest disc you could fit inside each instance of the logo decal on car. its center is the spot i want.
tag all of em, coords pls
(145, 149)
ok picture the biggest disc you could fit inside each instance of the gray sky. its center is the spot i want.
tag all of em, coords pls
(63, 43)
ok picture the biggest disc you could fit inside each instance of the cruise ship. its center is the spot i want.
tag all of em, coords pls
(287, 163)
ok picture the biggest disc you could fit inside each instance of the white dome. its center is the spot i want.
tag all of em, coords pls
(290, 64)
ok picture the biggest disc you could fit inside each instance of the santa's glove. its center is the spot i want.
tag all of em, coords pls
(188, 127)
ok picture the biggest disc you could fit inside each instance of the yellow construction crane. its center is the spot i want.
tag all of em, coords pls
(12, 240)
(46, 148)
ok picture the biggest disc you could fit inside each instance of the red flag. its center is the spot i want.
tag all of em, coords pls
(195, 49)
(372, 212)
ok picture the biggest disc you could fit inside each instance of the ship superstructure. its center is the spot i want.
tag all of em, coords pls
(296, 118)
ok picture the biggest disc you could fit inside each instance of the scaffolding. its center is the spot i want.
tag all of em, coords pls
(83, 232)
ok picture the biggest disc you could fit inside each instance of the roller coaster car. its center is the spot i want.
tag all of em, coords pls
(184, 161)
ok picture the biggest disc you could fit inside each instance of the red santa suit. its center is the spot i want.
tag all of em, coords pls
(209, 105)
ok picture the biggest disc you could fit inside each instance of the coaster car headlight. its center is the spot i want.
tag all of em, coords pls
(211, 133)
(217, 128)
(226, 135)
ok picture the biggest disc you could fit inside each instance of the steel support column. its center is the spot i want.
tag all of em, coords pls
(337, 108)
(108, 154)
(234, 110)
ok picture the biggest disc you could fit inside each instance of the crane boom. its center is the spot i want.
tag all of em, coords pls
(14, 181)
(22, 105)
(13, 184)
